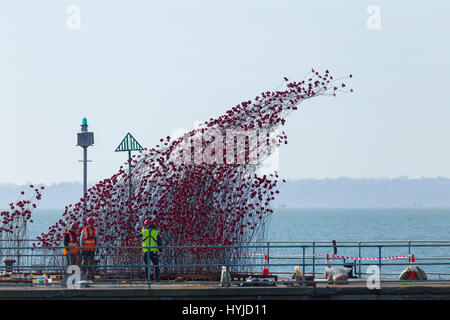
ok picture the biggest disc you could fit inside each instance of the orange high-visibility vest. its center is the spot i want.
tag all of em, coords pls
(89, 239)
(73, 242)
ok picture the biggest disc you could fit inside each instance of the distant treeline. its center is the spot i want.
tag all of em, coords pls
(307, 193)
(365, 193)
(54, 196)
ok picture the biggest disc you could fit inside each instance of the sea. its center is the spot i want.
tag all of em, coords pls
(291, 232)
(329, 224)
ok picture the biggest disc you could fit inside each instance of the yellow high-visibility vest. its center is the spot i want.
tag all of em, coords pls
(149, 239)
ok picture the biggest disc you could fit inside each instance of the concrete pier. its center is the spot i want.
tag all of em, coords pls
(390, 291)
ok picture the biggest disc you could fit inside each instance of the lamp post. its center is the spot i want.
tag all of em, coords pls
(85, 140)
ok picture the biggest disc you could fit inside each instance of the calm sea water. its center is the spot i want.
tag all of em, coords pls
(329, 224)
(360, 224)
(340, 225)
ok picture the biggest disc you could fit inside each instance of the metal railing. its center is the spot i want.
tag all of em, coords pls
(368, 248)
(281, 257)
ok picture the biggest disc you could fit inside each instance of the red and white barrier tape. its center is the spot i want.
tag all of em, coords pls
(283, 256)
(334, 256)
(331, 256)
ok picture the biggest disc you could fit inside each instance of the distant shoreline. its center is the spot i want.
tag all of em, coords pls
(297, 194)
(302, 208)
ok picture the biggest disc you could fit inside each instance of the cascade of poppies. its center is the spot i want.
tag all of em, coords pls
(15, 220)
(193, 187)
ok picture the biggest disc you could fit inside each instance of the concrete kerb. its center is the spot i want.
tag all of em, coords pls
(273, 293)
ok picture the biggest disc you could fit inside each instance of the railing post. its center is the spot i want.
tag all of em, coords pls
(227, 272)
(359, 256)
(409, 251)
(314, 259)
(18, 255)
(304, 268)
(379, 259)
(148, 267)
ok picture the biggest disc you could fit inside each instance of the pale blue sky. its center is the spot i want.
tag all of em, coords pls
(150, 67)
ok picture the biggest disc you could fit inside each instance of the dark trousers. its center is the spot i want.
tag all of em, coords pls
(154, 259)
(72, 259)
(88, 260)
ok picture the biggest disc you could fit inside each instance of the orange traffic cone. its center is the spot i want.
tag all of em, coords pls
(266, 265)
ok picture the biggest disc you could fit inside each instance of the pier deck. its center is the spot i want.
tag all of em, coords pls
(186, 291)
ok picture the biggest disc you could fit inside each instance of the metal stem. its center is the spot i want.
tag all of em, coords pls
(129, 173)
(84, 180)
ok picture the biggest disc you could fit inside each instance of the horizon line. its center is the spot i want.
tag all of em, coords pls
(403, 177)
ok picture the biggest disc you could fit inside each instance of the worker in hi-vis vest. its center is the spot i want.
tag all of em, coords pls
(71, 245)
(89, 244)
(150, 237)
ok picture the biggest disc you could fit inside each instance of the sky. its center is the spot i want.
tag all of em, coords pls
(153, 67)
